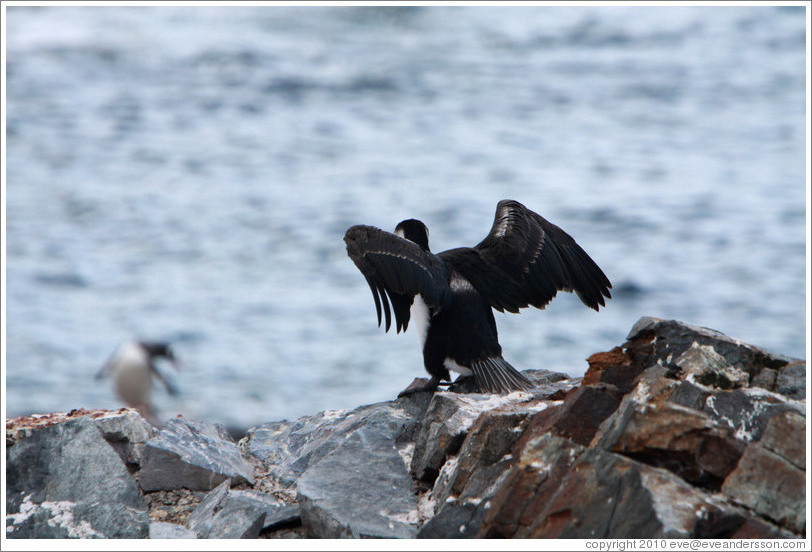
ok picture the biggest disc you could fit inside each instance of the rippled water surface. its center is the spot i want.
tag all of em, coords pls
(188, 174)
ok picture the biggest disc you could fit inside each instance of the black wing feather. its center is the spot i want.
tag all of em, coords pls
(525, 260)
(396, 270)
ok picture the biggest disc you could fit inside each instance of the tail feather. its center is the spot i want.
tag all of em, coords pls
(495, 375)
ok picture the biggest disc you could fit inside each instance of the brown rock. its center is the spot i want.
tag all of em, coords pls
(541, 464)
(785, 436)
(579, 417)
(684, 441)
(613, 367)
(606, 495)
(755, 528)
(539, 423)
(467, 482)
(445, 424)
(770, 486)
(584, 410)
(490, 439)
(765, 379)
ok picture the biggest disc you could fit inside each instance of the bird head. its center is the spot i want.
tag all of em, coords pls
(415, 231)
(158, 349)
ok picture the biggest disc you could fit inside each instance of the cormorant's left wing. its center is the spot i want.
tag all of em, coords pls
(396, 270)
(525, 260)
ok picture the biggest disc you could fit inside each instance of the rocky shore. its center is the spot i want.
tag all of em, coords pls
(678, 432)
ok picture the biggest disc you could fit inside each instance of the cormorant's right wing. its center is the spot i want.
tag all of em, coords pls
(397, 269)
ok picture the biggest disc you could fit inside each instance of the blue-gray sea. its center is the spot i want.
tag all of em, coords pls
(188, 173)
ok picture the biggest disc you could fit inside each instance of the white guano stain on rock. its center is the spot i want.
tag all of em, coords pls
(675, 509)
(333, 414)
(27, 508)
(703, 360)
(426, 507)
(406, 452)
(410, 518)
(742, 429)
(61, 516)
(640, 395)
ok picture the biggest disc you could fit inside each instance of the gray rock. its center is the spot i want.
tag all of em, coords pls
(173, 506)
(689, 394)
(725, 419)
(67, 481)
(127, 432)
(192, 455)
(747, 411)
(223, 516)
(50, 520)
(484, 455)
(362, 487)
(447, 420)
(277, 513)
(287, 448)
(541, 378)
(455, 521)
(460, 516)
(163, 530)
(791, 380)
(670, 339)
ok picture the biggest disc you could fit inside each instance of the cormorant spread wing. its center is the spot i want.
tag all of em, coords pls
(397, 269)
(525, 260)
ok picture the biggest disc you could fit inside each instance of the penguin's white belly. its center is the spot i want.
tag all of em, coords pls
(133, 384)
(131, 375)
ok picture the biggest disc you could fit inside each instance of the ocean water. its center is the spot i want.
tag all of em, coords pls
(188, 173)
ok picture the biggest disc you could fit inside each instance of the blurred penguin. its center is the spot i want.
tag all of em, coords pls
(132, 368)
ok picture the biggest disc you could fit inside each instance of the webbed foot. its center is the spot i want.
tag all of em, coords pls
(421, 384)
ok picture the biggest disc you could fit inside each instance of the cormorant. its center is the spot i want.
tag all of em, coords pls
(523, 261)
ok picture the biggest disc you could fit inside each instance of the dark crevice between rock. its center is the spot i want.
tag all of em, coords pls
(680, 463)
(717, 524)
(287, 529)
(769, 361)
